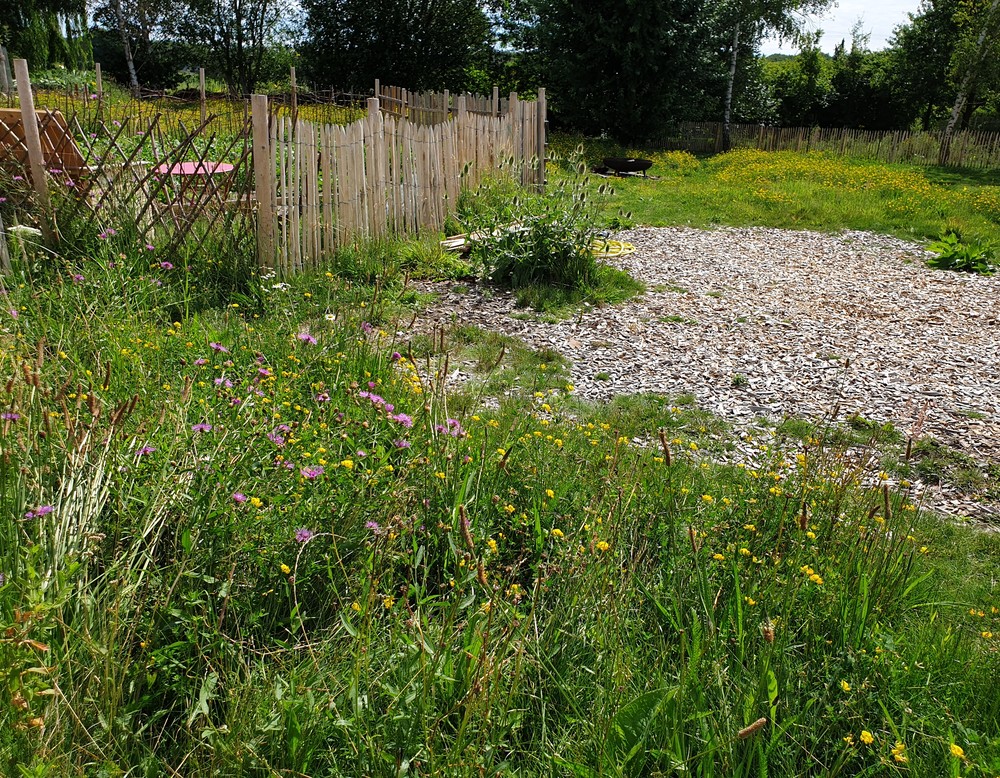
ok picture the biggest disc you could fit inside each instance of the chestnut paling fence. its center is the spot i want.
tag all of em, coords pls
(320, 187)
(303, 188)
(969, 148)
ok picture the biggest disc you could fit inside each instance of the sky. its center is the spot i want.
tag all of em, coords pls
(879, 18)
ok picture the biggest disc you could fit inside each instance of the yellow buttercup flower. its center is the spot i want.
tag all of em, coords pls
(285, 569)
(957, 751)
(866, 737)
(845, 686)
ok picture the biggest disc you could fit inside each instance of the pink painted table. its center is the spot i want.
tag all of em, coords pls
(195, 169)
(196, 187)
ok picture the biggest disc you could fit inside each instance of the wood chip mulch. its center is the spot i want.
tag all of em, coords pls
(763, 322)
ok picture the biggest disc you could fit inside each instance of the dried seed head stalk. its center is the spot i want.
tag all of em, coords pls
(694, 539)
(481, 574)
(463, 525)
(804, 517)
(666, 446)
(746, 732)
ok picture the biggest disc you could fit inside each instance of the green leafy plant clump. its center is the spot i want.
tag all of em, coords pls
(953, 253)
(544, 245)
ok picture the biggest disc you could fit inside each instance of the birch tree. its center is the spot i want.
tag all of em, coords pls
(974, 55)
(747, 22)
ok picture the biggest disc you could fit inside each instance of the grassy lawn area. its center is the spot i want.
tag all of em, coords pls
(249, 527)
(814, 191)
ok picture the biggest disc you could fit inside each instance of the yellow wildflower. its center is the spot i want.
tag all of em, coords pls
(957, 751)
(866, 737)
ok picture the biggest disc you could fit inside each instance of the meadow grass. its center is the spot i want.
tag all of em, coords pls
(814, 191)
(251, 527)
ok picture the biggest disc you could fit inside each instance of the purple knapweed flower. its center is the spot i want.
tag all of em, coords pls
(77, 278)
(302, 534)
(403, 419)
(166, 266)
(322, 397)
(312, 473)
(305, 337)
(276, 439)
(144, 451)
(41, 510)
(373, 526)
(396, 356)
(218, 348)
(201, 361)
(150, 247)
(401, 443)
(10, 416)
(366, 328)
(239, 498)
(201, 427)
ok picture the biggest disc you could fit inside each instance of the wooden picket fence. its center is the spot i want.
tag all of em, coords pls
(320, 187)
(969, 149)
(437, 107)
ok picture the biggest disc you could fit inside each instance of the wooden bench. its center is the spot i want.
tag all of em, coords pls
(59, 149)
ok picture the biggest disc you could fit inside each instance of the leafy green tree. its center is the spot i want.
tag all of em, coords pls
(419, 44)
(975, 59)
(238, 38)
(921, 54)
(46, 32)
(625, 67)
(747, 21)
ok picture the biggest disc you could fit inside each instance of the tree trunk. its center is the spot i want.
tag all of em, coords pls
(133, 79)
(727, 140)
(965, 87)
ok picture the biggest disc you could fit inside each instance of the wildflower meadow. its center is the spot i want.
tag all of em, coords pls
(250, 526)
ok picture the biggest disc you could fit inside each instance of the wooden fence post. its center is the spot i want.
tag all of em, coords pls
(5, 268)
(295, 97)
(263, 175)
(36, 161)
(4, 72)
(201, 96)
(378, 89)
(496, 100)
(542, 111)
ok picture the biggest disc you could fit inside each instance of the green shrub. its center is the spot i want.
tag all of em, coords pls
(521, 241)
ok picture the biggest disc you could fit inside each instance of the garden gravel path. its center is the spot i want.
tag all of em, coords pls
(763, 322)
